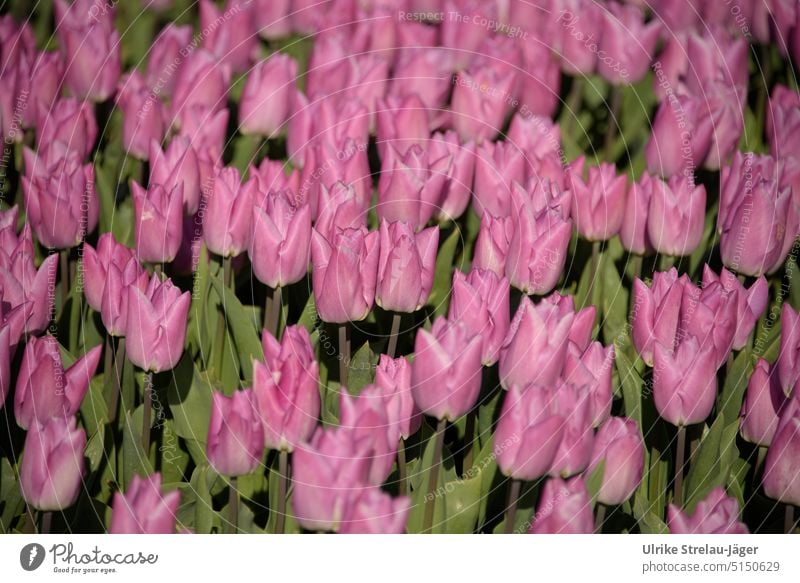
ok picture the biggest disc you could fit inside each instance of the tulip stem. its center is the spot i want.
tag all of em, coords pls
(613, 123)
(283, 482)
(401, 467)
(677, 492)
(115, 371)
(469, 440)
(47, 521)
(599, 518)
(573, 103)
(788, 520)
(344, 354)
(148, 403)
(393, 336)
(430, 498)
(272, 310)
(636, 262)
(595, 266)
(64, 276)
(513, 500)
(665, 262)
(233, 506)
(219, 342)
(760, 457)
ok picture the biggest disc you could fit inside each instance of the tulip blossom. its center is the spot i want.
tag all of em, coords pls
(782, 121)
(750, 303)
(163, 56)
(272, 18)
(627, 44)
(286, 389)
(375, 512)
(235, 435)
(93, 61)
(401, 122)
(497, 167)
(392, 392)
(633, 234)
(578, 33)
(676, 216)
(529, 432)
(264, 106)
(481, 300)
(564, 508)
(619, 446)
(159, 222)
(339, 207)
(45, 388)
(143, 509)
(226, 230)
(156, 326)
(280, 241)
(592, 368)
(406, 266)
(343, 272)
(327, 163)
(762, 406)
(463, 31)
(177, 165)
(425, 73)
(51, 471)
(458, 187)
(363, 418)
(656, 311)
(446, 373)
(540, 81)
(230, 35)
(143, 115)
(69, 121)
(574, 452)
(491, 246)
(480, 102)
(717, 513)
(681, 136)
(781, 472)
(200, 81)
(709, 314)
(598, 204)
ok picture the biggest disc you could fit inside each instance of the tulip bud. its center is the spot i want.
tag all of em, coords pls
(480, 102)
(156, 327)
(393, 387)
(592, 369)
(272, 18)
(96, 264)
(781, 472)
(281, 238)
(114, 308)
(343, 273)
(463, 31)
(540, 80)
(446, 373)
(401, 123)
(575, 450)
(159, 222)
(286, 389)
(681, 136)
(458, 188)
(93, 62)
(164, 55)
(201, 81)
(235, 436)
(619, 445)
(715, 514)
(750, 303)
(143, 509)
(564, 508)
(327, 163)
(425, 73)
(143, 115)
(627, 44)
(537, 251)
(685, 381)
(535, 346)
(339, 207)
(655, 312)
(579, 36)
(43, 85)
(264, 106)
(329, 474)
(375, 512)
(762, 405)
(51, 471)
(230, 210)
(45, 388)
(177, 165)
(69, 121)
(633, 234)
(230, 35)
(364, 418)
(498, 166)
(529, 432)
(481, 301)
(491, 245)
(598, 203)
(406, 266)
(676, 216)
(272, 175)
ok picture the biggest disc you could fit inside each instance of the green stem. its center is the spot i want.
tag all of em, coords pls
(47, 521)
(573, 104)
(283, 483)
(665, 262)
(272, 310)
(599, 518)
(401, 467)
(613, 122)
(513, 501)
(677, 492)
(148, 405)
(469, 441)
(595, 266)
(233, 506)
(344, 354)
(433, 479)
(219, 340)
(788, 519)
(392, 349)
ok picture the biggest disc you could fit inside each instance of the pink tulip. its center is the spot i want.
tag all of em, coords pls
(458, 187)
(235, 435)
(329, 474)
(177, 165)
(200, 81)
(497, 167)
(655, 312)
(230, 35)
(592, 369)
(93, 61)
(491, 246)
(205, 129)
(577, 29)
(69, 121)
(783, 121)
(393, 387)
(446, 373)
(574, 453)
(27, 288)
(272, 18)
(564, 508)
(327, 163)
(480, 103)
(411, 186)
(685, 381)
(143, 509)
(364, 419)
(264, 105)
(529, 432)
(156, 327)
(633, 234)
(143, 114)
(535, 135)
(676, 216)
(762, 405)
(540, 83)
(619, 446)
(51, 471)
(425, 73)
(781, 473)
(537, 251)
(788, 362)
(339, 207)
(230, 209)
(375, 512)
(598, 204)
(45, 388)
(462, 29)
(272, 175)
(286, 389)
(751, 303)
(627, 44)
(43, 83)
(535, 346)
(166, 55)
(555, 307)
(681, 136)
(717, 513)
(401, 123)
(281, 237)
(709, 314)
(406, 266)
(159, 222)
(344, 271)
(481, 301)
(96, 263)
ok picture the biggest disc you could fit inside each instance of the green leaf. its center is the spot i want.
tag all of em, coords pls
(631, 386)
(712, 462)
(135, 461)
(729, 401)
(189, 398)
(614, 300)
(204, 515)
(463, 502)
(595, 481)
(362, 367)
(11, 502)
(440, 292)
(649, 522)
